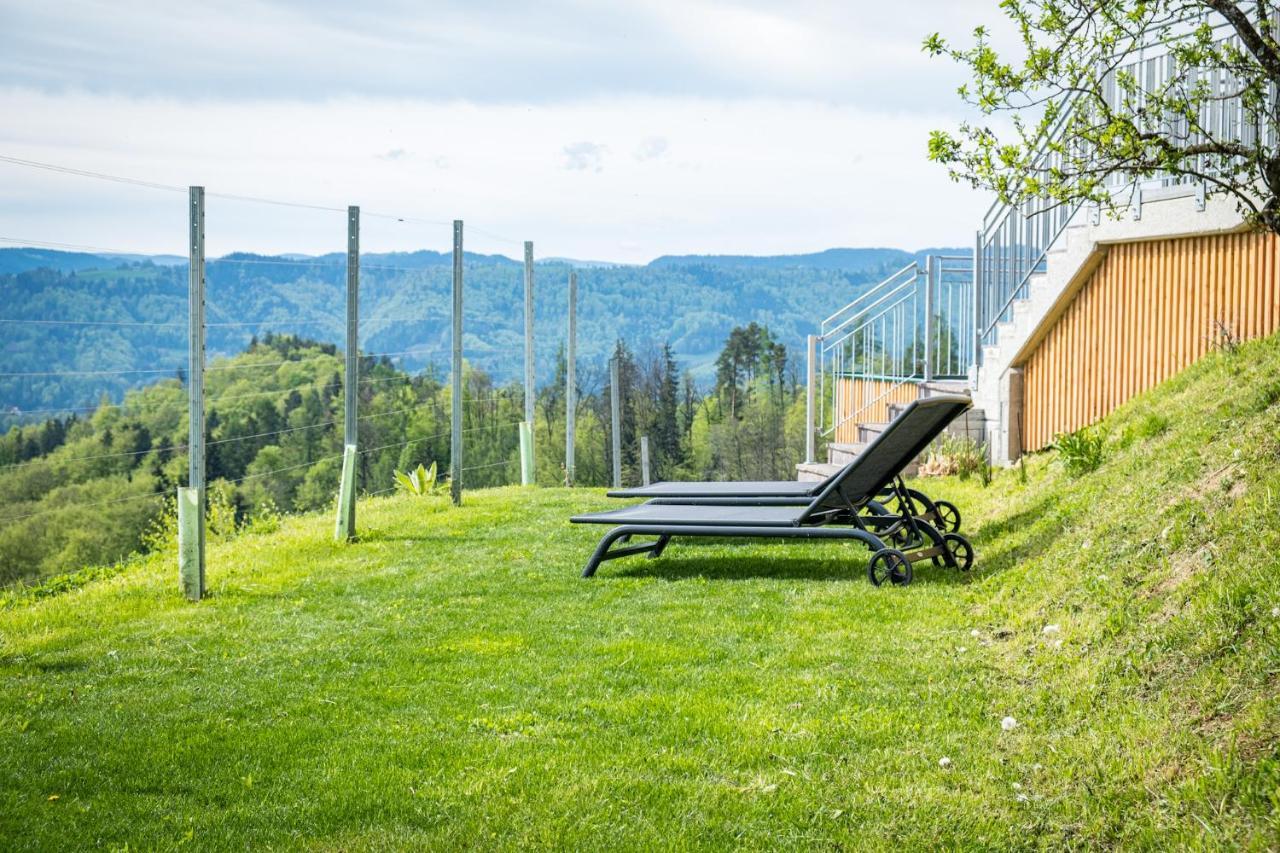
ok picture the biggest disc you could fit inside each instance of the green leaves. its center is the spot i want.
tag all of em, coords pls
(1105, 93)
(420, 481)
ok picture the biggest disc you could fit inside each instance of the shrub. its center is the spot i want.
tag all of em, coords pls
(421, 481)
(1081, 451)
(959, 455)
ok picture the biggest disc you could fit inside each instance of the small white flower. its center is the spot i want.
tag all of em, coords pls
(1008, 724)
(1056, 644)
(1087, 544)
(1022, 798)
(1050, 629)
(961, 649)
(1017, 786)
(944, 762)
(1037, 767)
(1275, 613)
(975, 633)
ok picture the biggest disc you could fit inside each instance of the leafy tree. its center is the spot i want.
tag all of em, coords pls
(1083, 114)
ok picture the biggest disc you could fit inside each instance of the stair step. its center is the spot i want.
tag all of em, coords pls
(868, 431)
(815, 471)
(842, 453)
(943, 386)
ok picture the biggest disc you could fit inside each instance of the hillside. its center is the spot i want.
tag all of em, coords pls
(449, 680)
(405, 309)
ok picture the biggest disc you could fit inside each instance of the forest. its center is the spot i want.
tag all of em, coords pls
(93, 487)
(77, 326)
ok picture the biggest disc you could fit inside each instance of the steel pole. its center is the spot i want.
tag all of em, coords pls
(191, 500)
(615, 419)
(810, 428)
(571, 381)
(526, 471)
(345, 528)
(455, 433)
(930, 280)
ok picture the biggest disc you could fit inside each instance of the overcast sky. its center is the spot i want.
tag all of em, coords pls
(615, 131)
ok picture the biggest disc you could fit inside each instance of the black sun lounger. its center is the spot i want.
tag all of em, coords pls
(837, 511)
(943, 515)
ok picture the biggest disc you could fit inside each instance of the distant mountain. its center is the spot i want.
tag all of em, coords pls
(830, 259)
(24, 259)
(158, 260)
(133, 311)
(583, 265)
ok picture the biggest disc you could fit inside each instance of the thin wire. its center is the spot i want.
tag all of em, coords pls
(23, 411)
(490, 465)
(92, 372)
(265, 434)
(12, 465)
(396, 412)
(161, 493)
(334, 320)
(102, 176)
(155, 185)
(436, 435)
(286, 468)
(306, 360)
(86, 323)
(285, 262)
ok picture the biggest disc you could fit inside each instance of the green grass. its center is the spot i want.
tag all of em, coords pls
(449, 681)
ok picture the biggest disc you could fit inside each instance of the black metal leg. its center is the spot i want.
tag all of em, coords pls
(621, 535)
(659, 547)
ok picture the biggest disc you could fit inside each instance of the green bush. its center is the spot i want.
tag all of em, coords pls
(1081, 451)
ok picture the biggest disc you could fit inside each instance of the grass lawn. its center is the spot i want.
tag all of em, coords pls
(449, 680)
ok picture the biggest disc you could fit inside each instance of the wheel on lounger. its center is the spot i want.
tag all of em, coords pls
(961, 551)
(948, 516)
(889, 564)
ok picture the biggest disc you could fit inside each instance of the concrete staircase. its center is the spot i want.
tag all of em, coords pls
(840, 454)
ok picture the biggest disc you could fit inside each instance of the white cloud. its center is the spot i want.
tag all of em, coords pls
(860, 53)
(754, 176)
(584, 157)
(652, 148)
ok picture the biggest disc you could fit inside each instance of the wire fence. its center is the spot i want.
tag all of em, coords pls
(273, 392)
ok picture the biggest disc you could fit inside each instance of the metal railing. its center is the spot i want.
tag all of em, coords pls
(1014, 241)
(914, 326)
(930, 322)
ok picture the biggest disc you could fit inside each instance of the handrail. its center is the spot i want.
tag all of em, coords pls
(914, 266)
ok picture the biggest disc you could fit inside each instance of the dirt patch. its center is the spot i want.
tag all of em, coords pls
(1212, 484)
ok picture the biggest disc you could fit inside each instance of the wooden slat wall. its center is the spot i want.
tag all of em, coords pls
(854, 393)
(1147, 312)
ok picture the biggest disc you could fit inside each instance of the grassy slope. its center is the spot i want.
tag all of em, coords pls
(450, 680)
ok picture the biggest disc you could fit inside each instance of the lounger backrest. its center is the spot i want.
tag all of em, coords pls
(884, 458)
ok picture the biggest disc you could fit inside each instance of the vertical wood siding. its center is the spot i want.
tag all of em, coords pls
(1148, 311)
(856, 393)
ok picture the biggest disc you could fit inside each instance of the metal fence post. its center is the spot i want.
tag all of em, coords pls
(615, 419)
(527, 472)
(191, 500)
(345, 528)
(976, 358)
(455, 433)
(571, 381)
(930, 279)
(810, 428)
(644, 460)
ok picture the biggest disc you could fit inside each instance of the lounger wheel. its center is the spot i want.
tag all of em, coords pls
(948, 516)
(889, 564)
(961, 551)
